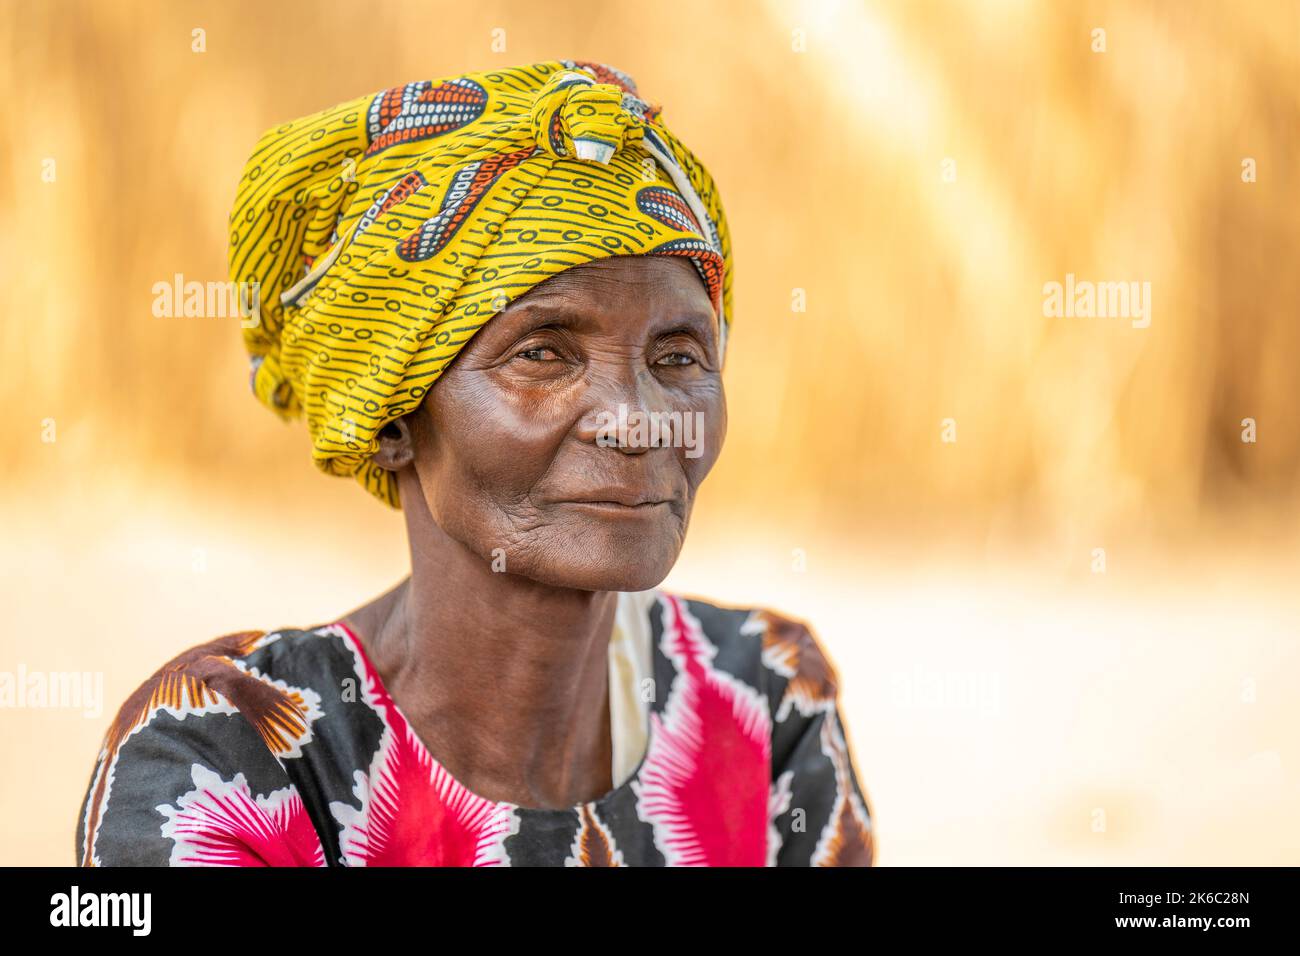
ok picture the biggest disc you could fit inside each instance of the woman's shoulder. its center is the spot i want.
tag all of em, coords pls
(785, 646)
(236, 670)
(273, 679)
(219, 715)
(820, 812)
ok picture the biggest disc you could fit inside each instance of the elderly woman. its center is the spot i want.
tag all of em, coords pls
(538, 245)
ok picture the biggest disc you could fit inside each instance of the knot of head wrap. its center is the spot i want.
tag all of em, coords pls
(380, 234)
(573, 115)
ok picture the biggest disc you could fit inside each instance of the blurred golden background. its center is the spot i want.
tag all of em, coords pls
(916, 172)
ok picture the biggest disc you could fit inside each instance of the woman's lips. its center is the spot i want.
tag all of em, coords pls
(619, 507)
(633, 495)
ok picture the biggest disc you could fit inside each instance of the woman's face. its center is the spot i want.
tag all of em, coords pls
(509, 446)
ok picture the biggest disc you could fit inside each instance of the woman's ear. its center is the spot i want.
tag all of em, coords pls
(396, 449)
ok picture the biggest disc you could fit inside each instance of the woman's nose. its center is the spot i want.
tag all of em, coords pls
(622, 411)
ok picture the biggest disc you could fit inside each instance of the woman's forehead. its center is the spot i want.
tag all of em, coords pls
(669, 277)
(652, 293)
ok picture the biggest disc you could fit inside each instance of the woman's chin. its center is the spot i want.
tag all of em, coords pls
(606, 560)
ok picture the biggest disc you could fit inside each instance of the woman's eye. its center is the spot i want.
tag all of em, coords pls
(676, 358)
(538, 354)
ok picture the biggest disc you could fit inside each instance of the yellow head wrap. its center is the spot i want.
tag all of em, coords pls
(381, 234)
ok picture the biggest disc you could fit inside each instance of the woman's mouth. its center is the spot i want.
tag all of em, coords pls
(619, 507)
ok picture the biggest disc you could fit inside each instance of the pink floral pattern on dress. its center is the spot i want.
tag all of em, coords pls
(413, 812)
(219, 823)
(704, 786)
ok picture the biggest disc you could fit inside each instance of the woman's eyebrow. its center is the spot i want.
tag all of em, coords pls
(701, 324)
(527, 317)
(530, 315)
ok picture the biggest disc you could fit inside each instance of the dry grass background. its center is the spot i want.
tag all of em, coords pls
(1163, 693)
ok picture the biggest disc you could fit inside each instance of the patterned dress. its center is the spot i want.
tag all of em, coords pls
(285, 749)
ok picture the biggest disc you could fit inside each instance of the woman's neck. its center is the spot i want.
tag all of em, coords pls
(503, 678)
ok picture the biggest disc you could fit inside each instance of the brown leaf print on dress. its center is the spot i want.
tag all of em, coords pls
(594, 844)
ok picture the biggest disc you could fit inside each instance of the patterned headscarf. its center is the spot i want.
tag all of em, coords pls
(380, 234)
